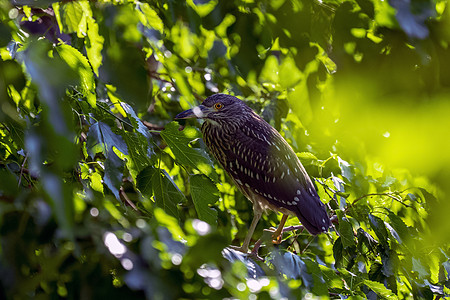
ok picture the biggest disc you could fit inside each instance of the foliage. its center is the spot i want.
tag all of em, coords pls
(103, 196)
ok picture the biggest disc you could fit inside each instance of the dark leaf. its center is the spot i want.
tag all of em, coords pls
(253, 269)
(144, 181)
(292, 266)
(399, 226)
(166, 193)
(5, 35)
(101, 134)
(204, 192)
(345, 231)
(367, 240)
(379, 228)
(338, 252)
(319, 286)
(113, 173)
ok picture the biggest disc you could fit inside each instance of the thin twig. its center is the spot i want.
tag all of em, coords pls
(125, 198)
(21, 170)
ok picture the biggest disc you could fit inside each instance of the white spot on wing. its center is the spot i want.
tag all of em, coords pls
(299, 192)
(323, 228)
(296, 199)
(239, 181)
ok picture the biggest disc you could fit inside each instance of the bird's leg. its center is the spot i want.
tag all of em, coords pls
(278, 233)
(248, 237)
(256, 217)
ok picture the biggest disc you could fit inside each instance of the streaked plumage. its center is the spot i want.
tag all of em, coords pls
(260, 161)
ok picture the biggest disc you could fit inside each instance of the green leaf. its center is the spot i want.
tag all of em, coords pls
(178, 141)
(150, 18)
(292, 266)
(290, 75)
(204, 192)
(8, 183)
(346, 169)
(380, 289)
(166, 193)
(346, 231)
(94, 45)
(144, 181)
(72, 15)
(140, 154)
(101, 135)
(140, 149)
(400, 227)
(379, 228)
(5, 35)
(420, 268)
(80, 65)
(338, 252)
(319, 286)
(113, 173)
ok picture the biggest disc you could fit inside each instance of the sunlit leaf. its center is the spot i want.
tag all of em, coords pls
(150, 18)
(94, 45)
(380, 289)
(101, 134)
(81, 66)
(178, 141)
(71, 16)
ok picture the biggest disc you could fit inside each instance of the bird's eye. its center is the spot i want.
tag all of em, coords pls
(218, 105)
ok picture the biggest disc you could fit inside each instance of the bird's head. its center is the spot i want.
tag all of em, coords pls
(217, 107)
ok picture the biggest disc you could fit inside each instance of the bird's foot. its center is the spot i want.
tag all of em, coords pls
(277, 235)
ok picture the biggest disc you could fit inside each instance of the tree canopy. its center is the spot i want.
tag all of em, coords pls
(103, 195)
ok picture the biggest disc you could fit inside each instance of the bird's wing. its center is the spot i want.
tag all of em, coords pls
(262, 161)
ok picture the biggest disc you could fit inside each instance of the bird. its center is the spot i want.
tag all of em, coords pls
(261, 163)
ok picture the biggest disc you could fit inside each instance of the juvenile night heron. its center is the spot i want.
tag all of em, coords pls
(261, 163)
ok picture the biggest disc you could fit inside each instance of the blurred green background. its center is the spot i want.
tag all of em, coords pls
(103, 195)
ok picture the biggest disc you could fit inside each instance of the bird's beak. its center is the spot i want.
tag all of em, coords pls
(198, 112)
